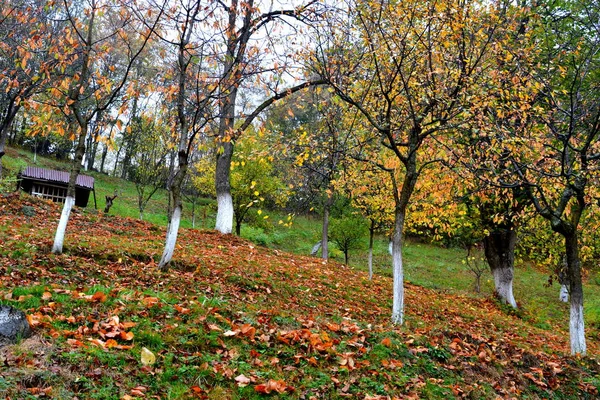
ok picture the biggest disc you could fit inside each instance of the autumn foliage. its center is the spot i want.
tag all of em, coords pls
(249, 321)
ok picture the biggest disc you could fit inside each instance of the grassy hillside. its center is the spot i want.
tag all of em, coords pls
(233, 320)
(426, 265)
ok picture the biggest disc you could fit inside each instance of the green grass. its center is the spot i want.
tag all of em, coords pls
(425, 265)
(125, 205)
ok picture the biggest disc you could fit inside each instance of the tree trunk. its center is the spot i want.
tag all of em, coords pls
(371, 235)
(398, 269)
(401, 199)
(127, 159)
(175, 211)
(325, 234)
(92, 153)
(563, 278)
(3, 132)
(224, 219)
(59, 237)
(88, 149)
(563, 294)
(238, 227)
(325, 230)
(117, 159)
(499, 247)
(5, 128)
(576, 321)
(194, 214)
(103, 159)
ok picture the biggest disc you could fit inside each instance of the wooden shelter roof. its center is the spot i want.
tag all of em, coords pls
(51, 175)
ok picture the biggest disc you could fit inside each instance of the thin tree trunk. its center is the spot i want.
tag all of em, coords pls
(194, 214)
(177, 207)
(3, 133)
(59, 237)
(563, 278)
(117, 159)
(238, 227)
(371, 235)
(325, 234)
(499, 248)
(88, 149)
(325, 230)
(92, 153)
(576, 321)
(103, 159)
(563, 294)
(7, 122)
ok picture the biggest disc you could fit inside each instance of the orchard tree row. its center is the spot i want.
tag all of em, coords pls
(464, 120)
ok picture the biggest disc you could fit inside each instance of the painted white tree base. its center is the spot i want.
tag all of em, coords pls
(224, 223)
(59, 237)
(504, 287)
(171, 240)
(577, 330)
(398, 302)
(564, 294)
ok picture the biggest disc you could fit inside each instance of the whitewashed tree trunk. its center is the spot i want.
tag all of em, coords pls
(224, 223)
(171, 240)
(398, 270)
(576, 321)
(325, 235)
(315, 248)
(564, 293)
(59, 237)
(398, 303)
(503, 280)
(499, 249)
(577, 329)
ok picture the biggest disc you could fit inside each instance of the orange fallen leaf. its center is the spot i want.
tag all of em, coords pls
(272, 386)
(99, 297)
(150, 301)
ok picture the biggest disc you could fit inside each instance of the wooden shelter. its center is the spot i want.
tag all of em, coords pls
(52, 184)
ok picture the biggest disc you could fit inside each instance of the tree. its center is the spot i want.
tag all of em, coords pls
(93, 28)
(556, 163)
(347, 233)
(149, 165)
(191, 90)
(254, 181)
(369, 189)
(314, 133)
(407, 68)
(26, 64)
(241, 24)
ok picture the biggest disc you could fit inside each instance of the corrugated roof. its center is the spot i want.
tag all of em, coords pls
(52, 175)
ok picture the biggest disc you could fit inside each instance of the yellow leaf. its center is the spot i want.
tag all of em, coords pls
(147, 357)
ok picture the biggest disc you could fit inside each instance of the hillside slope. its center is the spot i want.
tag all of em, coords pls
(233, 320)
